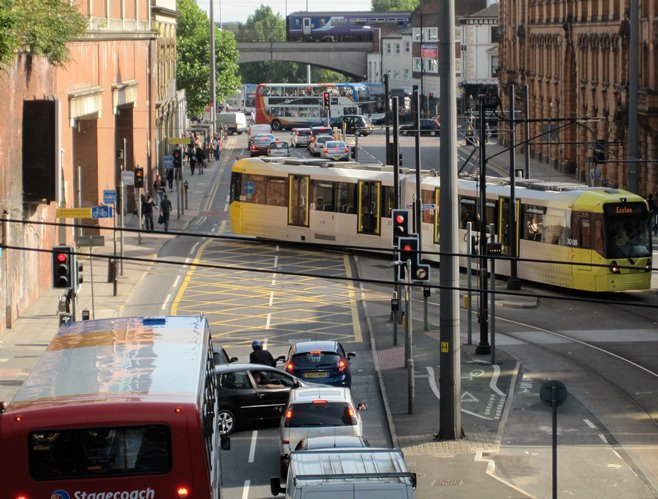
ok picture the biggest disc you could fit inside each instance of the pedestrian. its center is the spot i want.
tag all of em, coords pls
(200, 157)
(215, 144)
(159, 188)
(192, 157)
(252, 118)
(169, 174)
(165, 211)
(260, 355)
(147, 211)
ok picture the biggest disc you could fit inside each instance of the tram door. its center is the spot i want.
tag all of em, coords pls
(503, 225)
(369, 202)
(298, 187)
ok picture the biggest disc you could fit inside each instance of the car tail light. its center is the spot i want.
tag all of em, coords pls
(297, 133)
(351, 412)
(289, 414)
(285, 442)
(342, 365)
(290, 367)
(315, 352)
(182, 491)
(319, 402)
(347, 150)
(325, 151)
(253, 147)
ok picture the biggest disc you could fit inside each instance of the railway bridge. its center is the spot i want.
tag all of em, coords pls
(349, 58)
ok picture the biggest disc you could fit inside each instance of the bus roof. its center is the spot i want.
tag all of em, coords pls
(115, 359)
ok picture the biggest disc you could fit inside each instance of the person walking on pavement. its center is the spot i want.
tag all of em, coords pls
(260, 355)
(215, 145)
(159, 188)
(192, 156)
(200, 157)
(147, 211)
(165, 211)
(170, 178)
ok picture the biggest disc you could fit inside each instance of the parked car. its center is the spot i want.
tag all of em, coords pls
(316, 131)
(317, 412)
(299, 137)
(260, 144)
(355, 124)
(254, 130)
(321, 362)
(335, 150)
(428, 126)
(278, 148)
(252, 394)
(315, 147)
(332, 442)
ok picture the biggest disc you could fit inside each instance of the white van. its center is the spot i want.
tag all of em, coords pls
(234, 122)
(348, 474)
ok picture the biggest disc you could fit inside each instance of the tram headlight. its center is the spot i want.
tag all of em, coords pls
(614, 268)
(648, 266)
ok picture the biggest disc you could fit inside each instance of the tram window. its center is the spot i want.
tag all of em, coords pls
(322, 196)
(259, 194)
(467, 212)
(427, 198)
(556, 230)
(388, 203)
(277, 192)
(345, 197)
(533, 223)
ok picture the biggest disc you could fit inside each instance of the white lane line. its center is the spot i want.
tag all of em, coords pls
(602, 437)
(276, 261)
(271, 298)
(193, 250)
(176, 282)
(226, 207)
(494, 381)
(245, 490)
(252, 447)
(166, 302)
(590, 424)
(267, 322)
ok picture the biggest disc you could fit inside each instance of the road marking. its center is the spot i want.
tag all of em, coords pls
(176, 282)
(468, 397)
(267, 322)
(356, 324)
(271, 298)
(494, 381)
(186, 281)
(602, 437)
(437, 394)
(252, 447)
(590, 424)
(245, 490)
(194, 248)
(164, 304)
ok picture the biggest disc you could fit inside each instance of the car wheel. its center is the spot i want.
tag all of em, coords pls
(276, 125)
(433, 133)
(226, 422)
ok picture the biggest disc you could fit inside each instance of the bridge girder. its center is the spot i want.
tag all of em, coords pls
(349, 58)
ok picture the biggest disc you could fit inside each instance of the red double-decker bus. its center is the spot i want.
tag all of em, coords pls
(116, 408)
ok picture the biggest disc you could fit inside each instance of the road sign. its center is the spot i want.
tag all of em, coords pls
(73, 213)
(168, 161)
(109, 196)
(249, 187)
(553, 391)
(178, 140)
(90, 241)
(101, 212)
(128, 177)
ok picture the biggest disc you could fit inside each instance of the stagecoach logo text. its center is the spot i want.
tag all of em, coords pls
(122, 494)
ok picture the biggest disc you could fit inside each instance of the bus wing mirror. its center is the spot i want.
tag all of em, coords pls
(275, 486)
(225, 443)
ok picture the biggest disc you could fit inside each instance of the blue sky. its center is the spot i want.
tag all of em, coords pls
(240, 10)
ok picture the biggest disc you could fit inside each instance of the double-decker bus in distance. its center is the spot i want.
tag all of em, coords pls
(290, 105)
(120, 408)
(372, 100)
(242, 100)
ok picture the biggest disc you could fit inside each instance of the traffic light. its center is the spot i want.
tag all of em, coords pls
(178, 158)
(63, 265)
(408, 248)
(139, 177)
(326, 101)
(78, 274)
(400, 224)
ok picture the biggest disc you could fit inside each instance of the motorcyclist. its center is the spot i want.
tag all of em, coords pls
(260, 355)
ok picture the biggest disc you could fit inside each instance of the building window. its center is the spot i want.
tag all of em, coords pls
(494, 66)
(388, 48)
(415, 34)
(407, 74)
(396, 74)
(493, 34)
(397, 49)
(418, 64)
(407, 47)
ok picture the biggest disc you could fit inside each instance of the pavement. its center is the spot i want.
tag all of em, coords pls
(459, 468)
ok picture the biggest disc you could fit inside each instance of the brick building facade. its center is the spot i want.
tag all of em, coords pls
(574, 57)
(60, 135)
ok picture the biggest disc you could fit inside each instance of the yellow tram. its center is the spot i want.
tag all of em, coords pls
(591, 239)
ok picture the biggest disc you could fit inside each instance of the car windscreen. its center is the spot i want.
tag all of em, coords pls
(315, 359)
(99, 452)
(319, 413)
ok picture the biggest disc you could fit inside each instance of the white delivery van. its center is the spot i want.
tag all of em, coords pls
(348, 474)
(234, 122)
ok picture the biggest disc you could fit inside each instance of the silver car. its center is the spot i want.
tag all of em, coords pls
(335, 150)
(317, 412)
(299, 137)
(317, 145)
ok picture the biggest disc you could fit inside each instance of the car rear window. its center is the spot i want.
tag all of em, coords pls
(278, 145)
(315, 359)
(319, 413)
(303, 132)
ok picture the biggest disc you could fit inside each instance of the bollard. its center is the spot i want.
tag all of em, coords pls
(111, 270)
(85, 314)
(185, 187)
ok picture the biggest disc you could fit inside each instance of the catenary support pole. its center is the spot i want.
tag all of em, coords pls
(483, 347)
(513, 283)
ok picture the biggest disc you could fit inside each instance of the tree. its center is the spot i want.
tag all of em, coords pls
(265, 26)
(39, 28)
(383, 5)
(193, 58)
